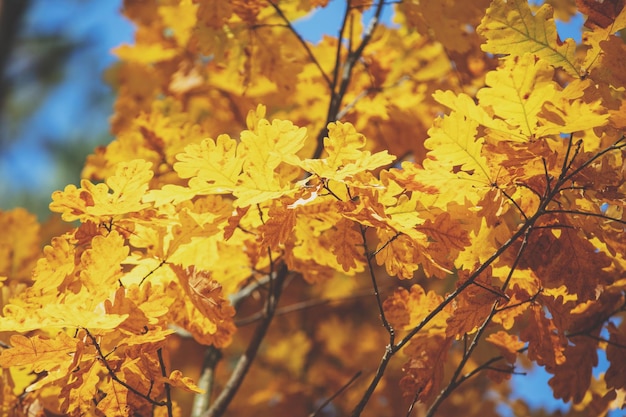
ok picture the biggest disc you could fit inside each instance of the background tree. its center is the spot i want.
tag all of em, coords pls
(54, 103)
(416, 210)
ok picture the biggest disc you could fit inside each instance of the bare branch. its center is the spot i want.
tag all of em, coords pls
(342, 73)
(302, 42)
(245, 361)
(454, 381)
(201, 402)
(386, 323)
(168, 393)
(335, 395)
(587, 213)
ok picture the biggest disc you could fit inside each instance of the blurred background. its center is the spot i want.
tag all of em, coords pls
(54, 102)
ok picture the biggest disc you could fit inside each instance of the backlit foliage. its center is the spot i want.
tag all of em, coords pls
(395, 222)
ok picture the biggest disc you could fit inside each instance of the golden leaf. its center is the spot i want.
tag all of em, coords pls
(511, 28)
(39, 353)
(177, 380)
(518, 90)
(508, 344)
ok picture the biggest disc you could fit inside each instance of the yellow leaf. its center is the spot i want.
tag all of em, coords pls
(573, 110)
(264, 150)
(19, 243)
(398, 255)
(101, 264)
(511, 29)
(216, 163)
(452, 143)
(144, 54)
(177, 380)
(96, 203)
(205, 293)
(39, 353)
(346, 243)
(465, 105)
(55, 266)
(518, 90)
(278, 228)
(507, 344)
(345, 157)
(406, 309)
(81, 388)
(73, 314)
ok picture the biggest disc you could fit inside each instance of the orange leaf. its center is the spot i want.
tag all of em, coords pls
(507, 344)
(206, 294)
(545, 344)
(176, 379)
(278, 227)
(40, 353)
(345, 244)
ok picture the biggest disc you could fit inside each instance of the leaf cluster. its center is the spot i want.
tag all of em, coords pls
(426, 206)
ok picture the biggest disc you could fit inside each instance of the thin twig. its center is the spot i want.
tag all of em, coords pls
(587, 213)
(302, 42)
(370, 266)
(454, 381)
(342, 72)
(304, 305)
(168, 393)
(335, 395)
(413, 402)
(163, 261)
(114, 376)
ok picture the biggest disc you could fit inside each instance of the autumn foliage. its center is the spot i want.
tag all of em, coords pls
(393, 221)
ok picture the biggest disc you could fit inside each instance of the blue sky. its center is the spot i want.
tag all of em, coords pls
(65, 112)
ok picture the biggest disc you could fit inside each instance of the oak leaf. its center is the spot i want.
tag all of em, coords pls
(472, 306)
(215, 163)
(40, 353)
(508, 344)
(345, 158)
(546, 344)
(518, 90)
(278, 227)
(177, 380)
(78, 394)
(572, 378)
(406, 309)
(72, 313)
(345, 242)
(452, 143)
(511, 28)
(615, 376)
(424, 371)
(121, 194)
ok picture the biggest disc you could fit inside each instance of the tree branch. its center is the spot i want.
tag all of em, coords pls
(168, 393)
(302, 42)
(113, 375)
(201, 402)
(245, 361)
(335, 395)
(342, 73)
